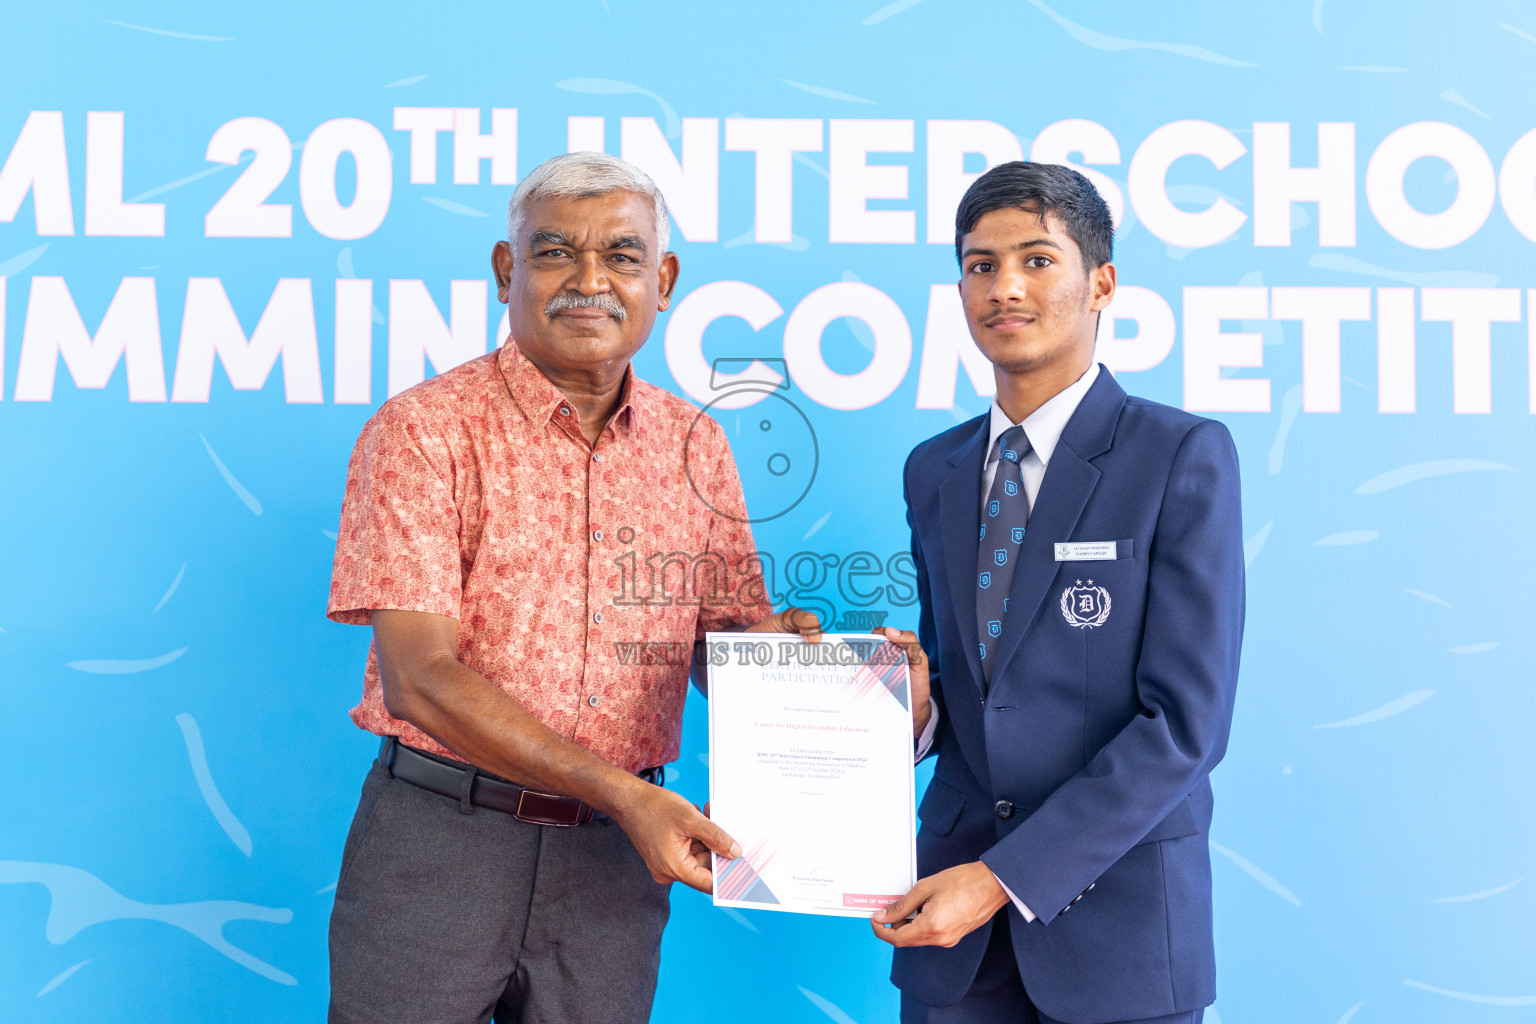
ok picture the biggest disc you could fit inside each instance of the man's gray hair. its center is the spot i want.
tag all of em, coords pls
(583, 176)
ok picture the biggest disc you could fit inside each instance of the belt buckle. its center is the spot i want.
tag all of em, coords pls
(534, 814)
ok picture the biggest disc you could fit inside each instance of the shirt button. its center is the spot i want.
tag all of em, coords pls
(596, 457)
(592, 701)
(597, 534)
(565, 410)
(597, 616)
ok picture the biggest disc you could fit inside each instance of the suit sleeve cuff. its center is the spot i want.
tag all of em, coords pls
(925, 741)
(1029, 915)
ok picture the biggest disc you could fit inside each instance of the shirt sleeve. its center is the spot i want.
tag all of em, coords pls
(1029, 915)
(398, 545)
(744, 599)
(925, 741)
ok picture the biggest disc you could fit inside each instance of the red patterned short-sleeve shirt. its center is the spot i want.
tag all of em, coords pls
(580, 574)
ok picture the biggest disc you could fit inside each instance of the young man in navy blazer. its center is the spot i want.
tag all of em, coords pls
(1080, 570)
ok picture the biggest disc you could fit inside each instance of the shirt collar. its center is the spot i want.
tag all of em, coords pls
(1044, 426)
(540, 400)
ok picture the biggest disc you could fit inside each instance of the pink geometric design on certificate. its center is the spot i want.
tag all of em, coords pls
(733, 878)
(883, 672)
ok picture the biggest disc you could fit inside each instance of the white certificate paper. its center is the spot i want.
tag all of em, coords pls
(810, 769)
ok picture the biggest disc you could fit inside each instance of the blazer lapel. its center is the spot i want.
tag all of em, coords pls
(960, 519)
(1069, 482)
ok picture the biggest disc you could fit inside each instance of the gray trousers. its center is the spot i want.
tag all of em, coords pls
(443, 916)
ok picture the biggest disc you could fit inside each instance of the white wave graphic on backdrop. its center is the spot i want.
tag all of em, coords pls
(1452, 96)
(1100, 41)
(1426, 470)
(1290, 408)
(61, 978)
(613, 87)
(827, 94)
(1346, 537)
(221, 813)
(229, 478)
(1255, 544)
(1387, 710)
(245, 158)
(1474, 896)
(1350, 1013)
(80, 899)
(1470, 997)
(453, 207)
(860, 330)
(801, 158)
(171, 589)
(124, 666)
(888, 10)
(1256, 873)
(749, 237)
(826, 1006)
(1421, 279)
(21, 261)
(168, 32)
(816, 526)
(741, 919)
(346, 268)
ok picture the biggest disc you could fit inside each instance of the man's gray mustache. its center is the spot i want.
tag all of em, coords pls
(575, 300)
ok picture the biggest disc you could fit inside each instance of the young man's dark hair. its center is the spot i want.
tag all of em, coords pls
(1043, 189)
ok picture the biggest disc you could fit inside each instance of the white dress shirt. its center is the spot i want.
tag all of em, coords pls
(1043, 427)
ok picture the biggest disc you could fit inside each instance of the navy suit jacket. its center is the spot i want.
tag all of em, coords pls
(1099, 738)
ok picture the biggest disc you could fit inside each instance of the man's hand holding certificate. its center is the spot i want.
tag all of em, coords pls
(811, 771)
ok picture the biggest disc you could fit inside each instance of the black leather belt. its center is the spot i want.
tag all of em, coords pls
(474, 788)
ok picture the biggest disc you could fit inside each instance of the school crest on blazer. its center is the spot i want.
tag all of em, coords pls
(1085, 605)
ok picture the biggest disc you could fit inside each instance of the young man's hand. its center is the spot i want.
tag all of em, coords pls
(950, 905)
(917, 663)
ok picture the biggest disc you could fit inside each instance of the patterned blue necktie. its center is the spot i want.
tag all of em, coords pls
(1003, 519)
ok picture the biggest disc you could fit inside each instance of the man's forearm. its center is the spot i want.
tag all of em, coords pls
(479, 722)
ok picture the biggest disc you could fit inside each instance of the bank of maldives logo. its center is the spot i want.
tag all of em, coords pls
(1085, 605)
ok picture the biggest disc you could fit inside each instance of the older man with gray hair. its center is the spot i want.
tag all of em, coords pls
(513, 848)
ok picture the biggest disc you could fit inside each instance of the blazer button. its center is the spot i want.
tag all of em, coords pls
(1003, 809)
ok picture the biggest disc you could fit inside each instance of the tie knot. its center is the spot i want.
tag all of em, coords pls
(1012, 444)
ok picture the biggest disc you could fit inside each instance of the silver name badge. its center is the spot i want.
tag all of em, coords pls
(1089, 551)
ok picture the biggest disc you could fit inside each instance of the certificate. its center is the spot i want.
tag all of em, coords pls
(810, 770)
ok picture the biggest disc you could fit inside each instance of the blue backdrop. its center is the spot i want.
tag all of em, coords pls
(179, 765)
